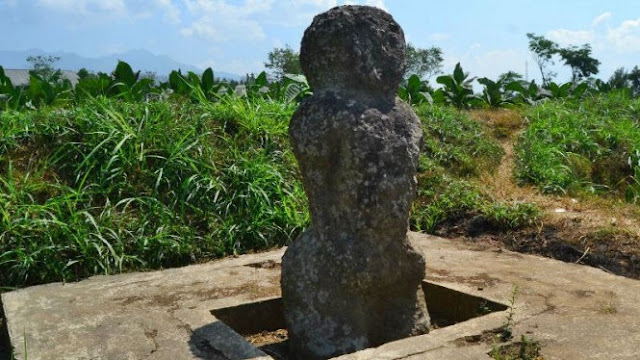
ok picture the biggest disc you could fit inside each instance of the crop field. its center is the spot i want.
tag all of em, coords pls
(121, 174)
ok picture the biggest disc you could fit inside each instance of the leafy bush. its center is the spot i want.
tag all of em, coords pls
(587, 145)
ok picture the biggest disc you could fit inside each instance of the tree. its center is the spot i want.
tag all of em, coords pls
(634, 80)
(423, 62)
(543, 51)
(580, 60)
(43, 67)
(283, 61)
(83, 73)
(510, 77)
(619, 79)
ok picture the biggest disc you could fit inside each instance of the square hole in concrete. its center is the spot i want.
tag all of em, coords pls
(262, 322)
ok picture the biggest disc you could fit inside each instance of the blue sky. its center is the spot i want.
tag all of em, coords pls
(486, 36)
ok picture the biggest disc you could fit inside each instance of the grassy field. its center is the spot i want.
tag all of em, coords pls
(108, 186)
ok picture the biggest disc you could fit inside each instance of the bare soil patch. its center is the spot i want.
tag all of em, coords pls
(590, 230)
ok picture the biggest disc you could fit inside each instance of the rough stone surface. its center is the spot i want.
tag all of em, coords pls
(574, 311)
(352, 280)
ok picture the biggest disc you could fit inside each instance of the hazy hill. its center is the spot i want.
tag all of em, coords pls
(138, 59)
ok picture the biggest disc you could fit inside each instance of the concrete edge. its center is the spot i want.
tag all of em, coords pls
(5, 340)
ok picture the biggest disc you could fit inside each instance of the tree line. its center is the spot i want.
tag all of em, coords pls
(284, 81)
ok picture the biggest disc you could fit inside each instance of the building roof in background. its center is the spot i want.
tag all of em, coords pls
(20, 77)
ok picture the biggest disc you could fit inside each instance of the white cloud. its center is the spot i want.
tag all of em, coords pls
(626, 37)
(84, 7)
(221, 21)
(601, 18)
(106, 10)
(217, 29)
(225, 20)
(566, 37)
(147, 8)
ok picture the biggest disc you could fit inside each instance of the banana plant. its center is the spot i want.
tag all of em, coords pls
(600, 86)
(567, 89)
(93, 86)
(296, 88)
(531, 94)
(580, 89)
(492, 93)
(197, 87)
(415, 91)
(259, 87)
(457, 88)
(11, 97)
(178, 83)
(43, 92)
(559, 91)
(128, 85)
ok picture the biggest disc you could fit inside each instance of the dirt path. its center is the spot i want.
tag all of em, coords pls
(604, 233)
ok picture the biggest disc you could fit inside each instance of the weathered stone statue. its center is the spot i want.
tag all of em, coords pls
(352, 280)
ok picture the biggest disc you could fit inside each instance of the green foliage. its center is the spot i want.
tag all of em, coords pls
(110, 186)
(525, 349)
(621, 79)
(530, 93)
(456, 142)
(559, 91)
(198, 88)
(11, 97)
(492, 94)
(507, 328)
(457, 149)
(424, 63)
(283, 61)
(543, 51)
(457, 89)
(43, 67)
(128, 85)
(92, 86)
(415, 91)
(634, 79)
(295, 88)
(586, 145)
(580, 60)
(41, 92)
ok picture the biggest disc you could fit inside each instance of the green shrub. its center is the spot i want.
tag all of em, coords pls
(588, 145)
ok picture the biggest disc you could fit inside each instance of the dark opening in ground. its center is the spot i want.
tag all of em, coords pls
(262, 323)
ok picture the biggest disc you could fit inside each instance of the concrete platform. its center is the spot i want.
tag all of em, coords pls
(575, 312)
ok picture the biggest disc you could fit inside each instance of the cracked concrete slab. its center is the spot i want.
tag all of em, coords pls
(574, 311)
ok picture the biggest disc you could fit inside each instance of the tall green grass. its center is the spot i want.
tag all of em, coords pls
(109, 186)
(592, 145)
(458, 149)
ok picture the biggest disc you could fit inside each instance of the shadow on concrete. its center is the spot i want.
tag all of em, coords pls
(5, 344)
(217, 341)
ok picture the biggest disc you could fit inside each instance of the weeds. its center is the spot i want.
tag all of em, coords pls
(582, 146)
(457, 149)
(525, 349)
(111, 186)
(507, 329)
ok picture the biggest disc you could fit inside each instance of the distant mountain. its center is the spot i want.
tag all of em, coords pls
(139, 59)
